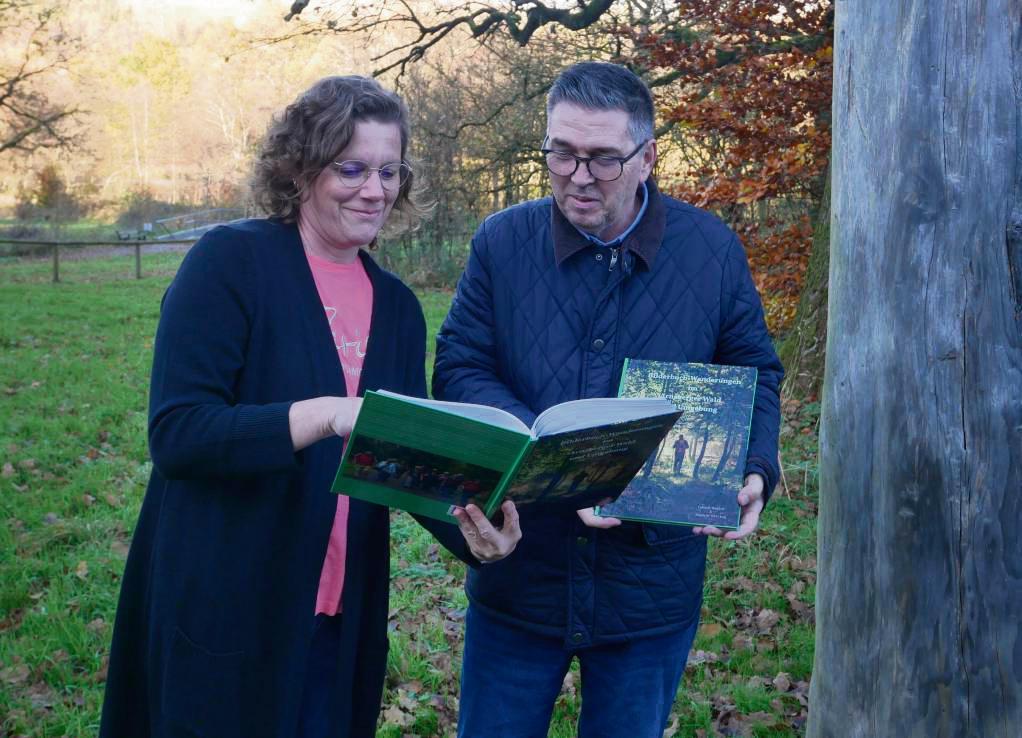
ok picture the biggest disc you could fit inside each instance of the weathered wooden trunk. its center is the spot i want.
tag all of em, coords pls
(919, 601)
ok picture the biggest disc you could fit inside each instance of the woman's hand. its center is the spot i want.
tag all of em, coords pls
(322, 417)
(342, 414)
(484, 541)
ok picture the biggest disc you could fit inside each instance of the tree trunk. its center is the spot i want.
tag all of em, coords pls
(919, 596)
(802, 350)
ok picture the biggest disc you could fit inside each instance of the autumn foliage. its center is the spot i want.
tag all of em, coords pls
(749, 99)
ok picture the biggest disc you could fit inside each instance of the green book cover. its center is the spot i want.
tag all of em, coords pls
(426, 456)
(694, 474)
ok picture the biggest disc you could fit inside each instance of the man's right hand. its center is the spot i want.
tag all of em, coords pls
(487, 543)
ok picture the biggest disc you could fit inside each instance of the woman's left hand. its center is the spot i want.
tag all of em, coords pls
(486, 542)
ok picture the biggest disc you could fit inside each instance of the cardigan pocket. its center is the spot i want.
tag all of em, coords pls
(202, 690)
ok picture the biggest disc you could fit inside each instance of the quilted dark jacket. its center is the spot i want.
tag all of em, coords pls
(542, 316)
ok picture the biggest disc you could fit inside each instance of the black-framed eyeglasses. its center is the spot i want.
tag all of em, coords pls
(355, 173)
(603, 168)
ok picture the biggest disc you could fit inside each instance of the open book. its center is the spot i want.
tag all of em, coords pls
(426, 456)
(693, 476)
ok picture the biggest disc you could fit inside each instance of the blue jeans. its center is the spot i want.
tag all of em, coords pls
(510, 679)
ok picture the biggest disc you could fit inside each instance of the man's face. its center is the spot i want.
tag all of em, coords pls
(604, 209)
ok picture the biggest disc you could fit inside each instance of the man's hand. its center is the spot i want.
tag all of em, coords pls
(750, 499)
(484, 541)
(590, 518)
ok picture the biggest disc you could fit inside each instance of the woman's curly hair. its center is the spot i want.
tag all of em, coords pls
(312, 132)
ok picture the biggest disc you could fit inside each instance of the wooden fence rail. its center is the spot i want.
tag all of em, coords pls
(55, 247)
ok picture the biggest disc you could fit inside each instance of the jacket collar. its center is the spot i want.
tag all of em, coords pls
(644, 241)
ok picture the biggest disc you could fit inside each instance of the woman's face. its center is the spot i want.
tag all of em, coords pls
(335, 220)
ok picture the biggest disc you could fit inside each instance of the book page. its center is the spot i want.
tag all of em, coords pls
(490, 415)
(594, 411)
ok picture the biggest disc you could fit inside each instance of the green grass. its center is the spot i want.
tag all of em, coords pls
(74, 364)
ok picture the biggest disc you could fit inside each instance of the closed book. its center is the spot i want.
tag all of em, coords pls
(694, 474)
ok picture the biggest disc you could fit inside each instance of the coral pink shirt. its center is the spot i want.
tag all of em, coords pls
(347, 297)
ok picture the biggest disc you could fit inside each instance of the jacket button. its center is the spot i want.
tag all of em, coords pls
(576, 637)
(598, 344)
(582, 541)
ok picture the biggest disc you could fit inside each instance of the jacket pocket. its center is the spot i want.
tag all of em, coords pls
(202, 690)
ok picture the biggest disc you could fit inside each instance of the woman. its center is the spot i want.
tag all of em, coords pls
(254, 601)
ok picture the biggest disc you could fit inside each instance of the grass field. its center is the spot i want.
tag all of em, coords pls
(74, 365)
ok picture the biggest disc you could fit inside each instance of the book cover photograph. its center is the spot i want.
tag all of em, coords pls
(694, 474)
(427, 456)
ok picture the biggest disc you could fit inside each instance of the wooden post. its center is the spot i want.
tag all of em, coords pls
(919, 597)
(56, 262)
(138, 261)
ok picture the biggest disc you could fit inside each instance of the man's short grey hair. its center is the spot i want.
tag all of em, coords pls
(605, 86)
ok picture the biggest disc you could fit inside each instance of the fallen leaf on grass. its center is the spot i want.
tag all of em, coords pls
(767, 619)
(88, 499)
(82, 570)
(672, 725)
(782, 682)
(14, 674)
(8, 470)
(12, 621)
(742, 584)
(41, 696)
(568, 685)
(96, 626)
(743, 643)
(100, 675)
(803, 611)
(27, 464)
(702, 657)
(394, 715)
(709, 630)
(406, 701)
(120, 548)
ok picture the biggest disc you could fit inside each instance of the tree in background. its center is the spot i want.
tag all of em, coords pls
(34, 48)
(49, 199)
(743, 88)
(744, 92)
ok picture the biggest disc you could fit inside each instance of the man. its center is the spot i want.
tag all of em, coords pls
(555, 295)
(680, 449)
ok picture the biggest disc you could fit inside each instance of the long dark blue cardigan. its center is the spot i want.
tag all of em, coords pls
(217, 602)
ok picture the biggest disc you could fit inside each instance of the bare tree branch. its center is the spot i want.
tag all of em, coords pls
(29, 120)
(520, 19)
